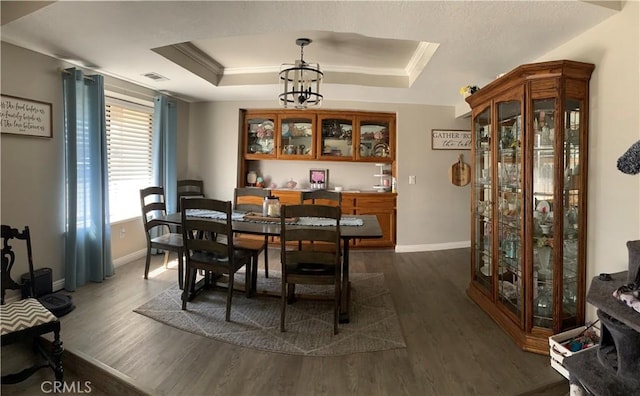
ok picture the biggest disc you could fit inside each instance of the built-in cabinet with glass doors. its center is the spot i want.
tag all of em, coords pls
(528, 200)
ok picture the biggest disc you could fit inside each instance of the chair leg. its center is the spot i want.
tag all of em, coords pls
(248, 277)
(166, 259)
(191, 275)
(229, 295)
(57, 355)
(283, 303)
(147, 264)
(336, 308)
(266, 257)
(181, 270)
(254, 275)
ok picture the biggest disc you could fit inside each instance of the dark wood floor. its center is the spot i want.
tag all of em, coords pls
(453, 348)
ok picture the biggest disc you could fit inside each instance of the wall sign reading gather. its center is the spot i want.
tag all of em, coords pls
(19, 116)
(447, 139)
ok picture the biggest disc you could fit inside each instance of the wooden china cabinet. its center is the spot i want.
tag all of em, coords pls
(320, 136)
(529, 200)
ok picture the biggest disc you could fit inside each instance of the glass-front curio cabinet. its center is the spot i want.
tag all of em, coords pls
(528, 200)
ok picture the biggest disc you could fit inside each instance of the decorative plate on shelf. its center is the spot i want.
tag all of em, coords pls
(381, 150)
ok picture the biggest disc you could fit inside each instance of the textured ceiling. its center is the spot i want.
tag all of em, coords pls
(357, 43)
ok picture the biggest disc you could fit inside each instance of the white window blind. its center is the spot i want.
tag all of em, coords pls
(129, 135)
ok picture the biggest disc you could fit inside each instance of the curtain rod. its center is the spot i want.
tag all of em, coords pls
(65, 71)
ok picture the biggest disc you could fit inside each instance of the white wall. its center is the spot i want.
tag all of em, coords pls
(614, 124)
(431, 213)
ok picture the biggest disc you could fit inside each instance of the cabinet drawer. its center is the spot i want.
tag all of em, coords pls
(287, 197)
(376, 202)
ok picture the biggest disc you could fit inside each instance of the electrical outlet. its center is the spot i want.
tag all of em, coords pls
(412, 180)
(122, 233)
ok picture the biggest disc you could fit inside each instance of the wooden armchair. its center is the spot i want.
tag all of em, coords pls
(26, 319)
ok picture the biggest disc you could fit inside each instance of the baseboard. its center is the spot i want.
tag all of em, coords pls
(129, 258)
(432, 246)
(120, 261)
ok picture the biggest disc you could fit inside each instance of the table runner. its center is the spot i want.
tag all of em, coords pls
(304, 221)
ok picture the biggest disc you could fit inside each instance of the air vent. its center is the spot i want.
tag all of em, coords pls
(155, 76)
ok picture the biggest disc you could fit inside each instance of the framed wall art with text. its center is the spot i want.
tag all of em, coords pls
(25, 117)
(450, 139)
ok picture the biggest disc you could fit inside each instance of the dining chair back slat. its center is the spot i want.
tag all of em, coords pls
(250, 199)
(189, 188)
(321, 197)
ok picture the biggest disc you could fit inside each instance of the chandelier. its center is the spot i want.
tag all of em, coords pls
(300, 82)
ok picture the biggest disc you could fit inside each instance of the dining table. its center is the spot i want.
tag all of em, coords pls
(367, 228)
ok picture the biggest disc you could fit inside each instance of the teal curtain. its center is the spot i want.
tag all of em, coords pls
(88, 229)
(164, 149)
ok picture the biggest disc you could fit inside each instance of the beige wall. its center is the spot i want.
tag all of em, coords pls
(432, 213)
(614, 124)
(32, 169)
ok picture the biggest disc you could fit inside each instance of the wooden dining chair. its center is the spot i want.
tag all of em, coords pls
(315, 267)
(157, 232)
(212, 255)
(320, 197)
(28, 319)
(250, 200)
(189, 188)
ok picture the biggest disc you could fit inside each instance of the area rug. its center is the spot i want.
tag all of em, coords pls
(255, 322)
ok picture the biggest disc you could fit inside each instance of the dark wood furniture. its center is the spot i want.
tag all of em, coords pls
(157, 232)
(189, 188)
(315, 267)
(28, 319)
(217, 255)
(369, 230)
(250, 199)
(529, 200)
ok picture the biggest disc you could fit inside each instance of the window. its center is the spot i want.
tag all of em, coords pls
(129, 135)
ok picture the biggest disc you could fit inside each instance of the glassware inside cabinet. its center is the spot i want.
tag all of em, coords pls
(296, 137)
(543, 210)
(337, 138)
(509, 206)
(374, 139)
(570, 203)
(260, 136)
(483, 208)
